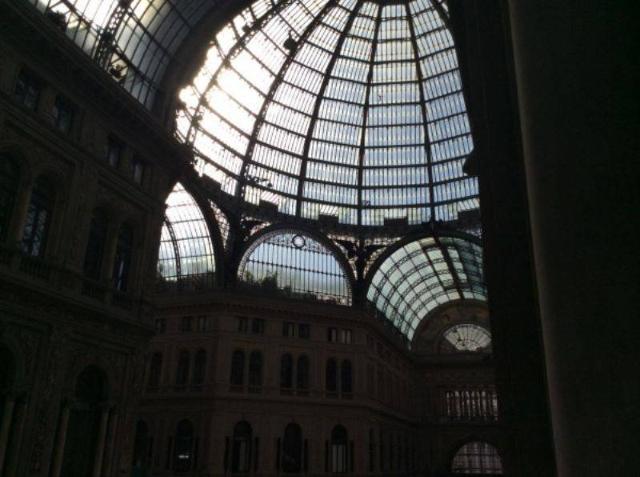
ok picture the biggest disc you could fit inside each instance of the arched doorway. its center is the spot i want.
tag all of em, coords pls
(84, 423)
(7, 378)
(241, 450)
(142, 451)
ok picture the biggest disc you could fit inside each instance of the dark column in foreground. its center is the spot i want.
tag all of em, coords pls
(574, 63)
(482, 34)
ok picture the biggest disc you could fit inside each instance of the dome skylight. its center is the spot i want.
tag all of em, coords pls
(345, 108)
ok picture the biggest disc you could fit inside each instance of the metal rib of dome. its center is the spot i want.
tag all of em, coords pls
(345, 108)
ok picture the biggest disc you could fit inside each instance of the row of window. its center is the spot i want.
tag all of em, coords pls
(242, 452)
(28, 91)
(38, 220)
(481, 404)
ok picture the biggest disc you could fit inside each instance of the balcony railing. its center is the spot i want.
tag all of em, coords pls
(17, 264)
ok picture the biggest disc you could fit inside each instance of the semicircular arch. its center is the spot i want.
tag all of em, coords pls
(419, 274)
(298, 262)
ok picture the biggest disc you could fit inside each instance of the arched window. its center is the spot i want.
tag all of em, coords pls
(199, 367)
(84, 421)
(155, 370)
(122, 260)
(294, 265)
(346, 377)
(142, 449)
(339, 450)
(241, 450)
(465, 337)
(302, 373)
(38, 220)
(331, 375)
(9, 180)
(292, 449)
(286, 371)
(183, 452)
(237, 368)
(95, 244)
(182, 371)
(477, 458)
(255, 369)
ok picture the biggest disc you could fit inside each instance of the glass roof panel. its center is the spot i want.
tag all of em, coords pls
(362, 106)
(186, 250)
(423, 274)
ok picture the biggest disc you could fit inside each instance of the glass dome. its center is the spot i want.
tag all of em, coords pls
(349, 109)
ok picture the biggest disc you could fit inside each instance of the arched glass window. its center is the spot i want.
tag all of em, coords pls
(292, 264)
(95, 244)
(331, 375)
(292, 448)
(346, 377)
(122, 260)
(183, 451)
(302, 373)
(286, 371)
(466, 337)
(241, 450)
(339, 450)
(9, 180)
(186, 252)
(155, 370)
(237, 368)
(255, 369)
(477, 458)
(199, 367)
(38, 220)
(424, 274)
(182, 371)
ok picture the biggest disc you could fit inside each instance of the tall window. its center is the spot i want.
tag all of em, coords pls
(199, 367)
(477, 458)
(255, 369)
(286, 371)
(241, 449)
(346, 377)
(183, 452)
(114, 151)
(182, 371)
(339, 450)
(63, 113)
(28, 89)
(331, 376)
(9, 177)
(237, 368)
(96, 244)
(36, 227)
(302, 373)
(122, 260)
(155, 370)
(292, 449)
(137, 170)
